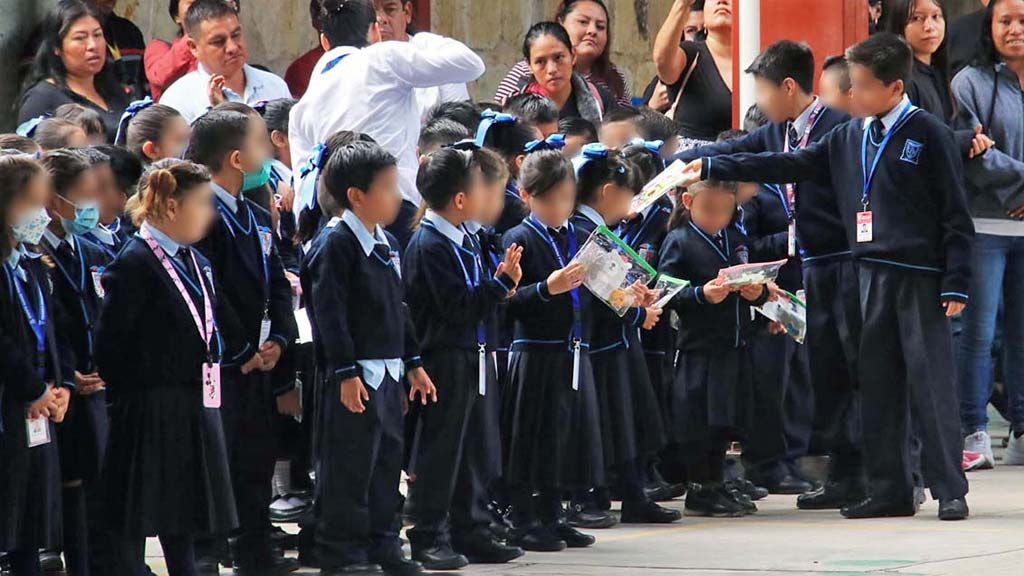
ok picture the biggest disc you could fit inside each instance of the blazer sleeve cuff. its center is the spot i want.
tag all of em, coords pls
(698, 295)
(505, 282)
(413, 363)
(954, 297)
(346, 372)
(543, 292)
(280, 340)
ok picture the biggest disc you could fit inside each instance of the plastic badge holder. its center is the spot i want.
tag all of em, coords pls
(661, 184)
(610, 267)
(790, 311)
(667, 287)
(744, 274)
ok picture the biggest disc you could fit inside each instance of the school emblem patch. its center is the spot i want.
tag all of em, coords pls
(911, 151)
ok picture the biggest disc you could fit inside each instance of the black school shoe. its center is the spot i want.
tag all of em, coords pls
(50, 561)
(648, 512)
(572, 537)
(711, 501)
(740, 498)
(590, 518)
(876, 508)
(439, 557)
(832, 496)
(536, 538)
(789, 484)
(953, 509)
(482, 547)
(749, 488)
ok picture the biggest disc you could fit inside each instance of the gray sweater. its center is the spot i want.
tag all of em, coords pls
(995, 180)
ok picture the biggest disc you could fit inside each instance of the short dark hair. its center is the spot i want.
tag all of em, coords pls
(838, 63)
(754, 118)
(53, 133)
(127, 168)
(461, 111)
(20, 143)
(646, 164)
(731, 134)
(94, 156)
(233, 106)
(442, 175)
(612, 169)
(276, 114)
(442, 132)
(509, 138)
(576, 126)
(215, 135)
(542, 171)
(354, 165)
(885, 54)
(87, 119)
(65, 168)
(621, 113)
(347, 22)
(785, 59)
(172, 7)
(654, 125)
(532, 108)
(206, 10)
(148, 126)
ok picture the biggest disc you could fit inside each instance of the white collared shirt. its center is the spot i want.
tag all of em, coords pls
(373, 369)
(373, 91)
(800, 124)
(890, 119)
(445, 227)
(225, 197)
(472, 227)
(188, 95)
(55, 241)
(103, 234)
(591, 214)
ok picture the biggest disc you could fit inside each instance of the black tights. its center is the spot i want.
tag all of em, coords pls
(705, 459)
(179, 554)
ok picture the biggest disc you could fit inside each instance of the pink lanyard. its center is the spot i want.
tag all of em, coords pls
(812, 118)
(207, 309)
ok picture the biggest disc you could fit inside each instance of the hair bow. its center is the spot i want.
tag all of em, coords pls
(310, 174)
(27, 128)
(129, 113)
(552, 142)
(489, 118)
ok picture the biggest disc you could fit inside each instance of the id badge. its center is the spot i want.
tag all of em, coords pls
(211, 385)
(264, 330)
(791, 240)
(38, 431)
(266, 240)
(97, 281)
(865, 231)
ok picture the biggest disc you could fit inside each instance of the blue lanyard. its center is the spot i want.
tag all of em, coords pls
(868, 175)
(38, 324)
(630, 238)
(725, 255)
(531, 221)
(232, 221)
(80, 291)
(333, 63)
(782, 198)
(471, 283)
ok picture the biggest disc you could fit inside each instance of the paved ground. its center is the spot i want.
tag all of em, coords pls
(783, 540)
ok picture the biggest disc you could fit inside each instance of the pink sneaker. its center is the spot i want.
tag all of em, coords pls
(973, 461)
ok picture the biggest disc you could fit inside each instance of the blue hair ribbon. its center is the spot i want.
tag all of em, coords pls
(27, 128)
(129, 113)
(489, 118)
(552, 142)
(592, 151)
(310, 174)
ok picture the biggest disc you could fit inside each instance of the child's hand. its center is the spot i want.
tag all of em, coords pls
(642, 295)
(44, 406)
(980, 143)
(561, 281)
(714, 293)
(419, 381)
(288, 403)
(691, 174)
(87, 384)
(286, 197)
(215, 89)
(254, 363)
(653, 315)
(353, 394)
(776, 328)
(511, 264)
(752, 292)
(953, 307)
(63, 396)
(270, 353)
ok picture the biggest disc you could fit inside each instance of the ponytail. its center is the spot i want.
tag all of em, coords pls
(166, 180)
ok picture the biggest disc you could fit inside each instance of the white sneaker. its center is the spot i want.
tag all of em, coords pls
(981, 443)
(1014, 455)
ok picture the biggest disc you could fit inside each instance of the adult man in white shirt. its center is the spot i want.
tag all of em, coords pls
(216, 39)
(394, 18)
(365, 85)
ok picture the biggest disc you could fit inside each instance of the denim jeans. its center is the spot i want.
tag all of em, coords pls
(998, 276)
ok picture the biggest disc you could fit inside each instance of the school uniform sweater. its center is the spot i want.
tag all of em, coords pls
(250, 283)
(819, 226)
(691, 254)
(920, 216)
(646, 231)
(445, 311)
(355, 303)
(543, 320)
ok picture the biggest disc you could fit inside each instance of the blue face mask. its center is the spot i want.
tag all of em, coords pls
(87, 216)
(259, 178)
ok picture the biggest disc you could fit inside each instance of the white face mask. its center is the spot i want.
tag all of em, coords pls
(30, 227)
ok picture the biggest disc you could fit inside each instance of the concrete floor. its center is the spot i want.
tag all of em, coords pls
(782, 540)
